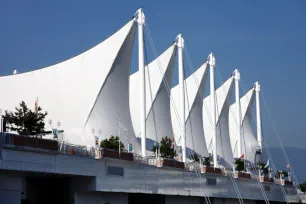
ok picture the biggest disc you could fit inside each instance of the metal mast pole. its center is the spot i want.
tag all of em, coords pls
(212, 63)
(258, 118)
(141, 22)
(180, 45)
(238, 111)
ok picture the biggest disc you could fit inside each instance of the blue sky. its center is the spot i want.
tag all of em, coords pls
(266, 40)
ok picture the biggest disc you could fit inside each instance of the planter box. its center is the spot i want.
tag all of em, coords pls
(127, 156)
(115, 155)
(286, 182)
(266, 179)
(209, 169)
(26, 141)
(173, 163)
(238, 174)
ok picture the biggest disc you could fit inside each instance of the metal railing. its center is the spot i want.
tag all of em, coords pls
(67, 148)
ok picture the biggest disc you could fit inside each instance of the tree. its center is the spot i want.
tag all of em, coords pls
(283, 172)
(207, 161)
(165, 148)
(239, 165)
(112, 143)
(25, 121)
(303, 187)
(194, 157)
(261, 166)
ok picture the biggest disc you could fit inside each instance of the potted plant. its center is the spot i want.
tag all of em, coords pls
(168, 153)
(110, 149)
(240, 171)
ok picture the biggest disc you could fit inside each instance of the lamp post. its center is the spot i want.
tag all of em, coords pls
(119, 122)
(50, 122)
(1, 127)
(57, 130)
(270, 172)
(120, 125)
(234, 165)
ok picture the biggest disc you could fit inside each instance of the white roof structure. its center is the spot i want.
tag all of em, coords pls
(194, 85)
(158, 121)
(224, 150)
(248, 140)
(88, 93)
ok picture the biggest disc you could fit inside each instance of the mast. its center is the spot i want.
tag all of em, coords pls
(258, 118)
(238, 113)
(180, 45)
(141, 22)
(212, 62)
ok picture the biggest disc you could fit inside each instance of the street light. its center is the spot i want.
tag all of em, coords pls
(50, 122)
(1, 129)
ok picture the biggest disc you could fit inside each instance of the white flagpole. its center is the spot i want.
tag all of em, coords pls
(212, 63)
(180, 45)
(141, 23)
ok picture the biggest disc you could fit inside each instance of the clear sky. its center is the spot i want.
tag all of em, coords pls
(266, 40)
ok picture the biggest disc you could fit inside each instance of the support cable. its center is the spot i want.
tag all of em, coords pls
(172, 102)
(296, 183)
(227, 167)
(273, 166)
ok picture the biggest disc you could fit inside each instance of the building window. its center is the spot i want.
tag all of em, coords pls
(267, 188)
(115, 171)
(211, 181)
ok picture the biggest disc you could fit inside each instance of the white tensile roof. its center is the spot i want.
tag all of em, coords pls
(224, 150)
(86, 92)
(248, 140)
(158, 121)
(194, 85)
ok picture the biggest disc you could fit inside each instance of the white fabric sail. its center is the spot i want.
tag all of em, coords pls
(194, 85)
(224, 150)
(158, 121)
(87, 93)
(248, 140)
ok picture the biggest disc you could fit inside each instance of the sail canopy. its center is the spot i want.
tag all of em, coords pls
(224, 150)
(87, 94)
(194, 85)
(158, 78)
(248, 141)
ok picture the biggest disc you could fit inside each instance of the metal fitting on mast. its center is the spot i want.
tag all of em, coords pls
(140, 17)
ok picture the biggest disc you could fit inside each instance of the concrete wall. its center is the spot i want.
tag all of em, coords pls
(182, 200)
(137, 178)
(100, 198)
(10, 188)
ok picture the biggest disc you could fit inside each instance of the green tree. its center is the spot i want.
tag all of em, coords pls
(303, 187)
(112, 143)
(261, 166)
(283, 172)
(194, 157)
(239, 165)
(207, 161)
(25, 121)
(165, 148)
